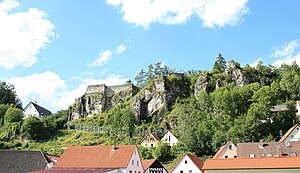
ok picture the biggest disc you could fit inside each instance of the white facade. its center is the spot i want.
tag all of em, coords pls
(30, 111)
(135, 164)
(186, 165)
(170, 139)
(294, 135)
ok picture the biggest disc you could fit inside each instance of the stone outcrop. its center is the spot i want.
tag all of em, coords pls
(99, 98)
(157, 98)
(201, 84)
(236, 74)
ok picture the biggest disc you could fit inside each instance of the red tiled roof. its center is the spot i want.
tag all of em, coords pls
(194, 159)
(147, 163)
(252, 163)
(96, 157)
(73, 171)
(288, 132)
(153, 135)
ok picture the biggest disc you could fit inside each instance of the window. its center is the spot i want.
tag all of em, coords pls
(132, 162)
(269, 154)
(151, 145)
(169, 138)
(297, 128)
(185, 161)
(137, 163)
(235, 156)
(181, 171)
(293, 154)
(130, 171)
(252, 155)
(190, 171)
(230, 147)
(292, 136)
(226, 156)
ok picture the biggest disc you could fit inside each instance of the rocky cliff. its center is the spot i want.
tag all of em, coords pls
(99, 98)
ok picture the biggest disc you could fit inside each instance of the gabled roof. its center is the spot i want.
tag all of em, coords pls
(40, 109)
(193, 158)
(164, 138)
(148, 163)
(262, 149)
(151, 134)
(222, 149)
(252, 163)
(96, 157)
(287, 134)
(12, 161)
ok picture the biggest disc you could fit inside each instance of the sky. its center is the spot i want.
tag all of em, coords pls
(51, 50)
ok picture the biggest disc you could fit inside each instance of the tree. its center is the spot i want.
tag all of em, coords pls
(32, 128)
(8, 95)
(3, 109)
(219, 65)
(140, 79)
(161, 152)
(128, 121)
(13, 115)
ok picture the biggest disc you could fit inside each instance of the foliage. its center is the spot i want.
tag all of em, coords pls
(8, 95)
(161, 152)
(13, 115)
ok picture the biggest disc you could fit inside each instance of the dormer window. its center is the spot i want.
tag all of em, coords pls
(252, 155)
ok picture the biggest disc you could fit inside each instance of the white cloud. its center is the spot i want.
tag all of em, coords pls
(213, 13)
(256, 62)
(288, 60)
(45, 88)
(53, 93)
(22, 35)
(121, 48)
(102, 59)
(286, 49)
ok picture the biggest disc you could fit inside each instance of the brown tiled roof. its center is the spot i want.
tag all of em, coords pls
(153, 135)
(96, 157)
(288, 132)
(73, 171)
(147, 163)
(252, 163)
(222, 149)
(273, 148)
(194, 159)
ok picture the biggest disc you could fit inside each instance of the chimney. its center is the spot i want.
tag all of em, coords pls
(261, 144)
(114, 147)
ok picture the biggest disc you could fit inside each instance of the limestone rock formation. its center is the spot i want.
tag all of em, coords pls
(156, 98)
(236, 73)
(99, 98)
(201, 84)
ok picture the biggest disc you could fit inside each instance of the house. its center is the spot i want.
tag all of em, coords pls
(112, 159)
(268, 149)
(150, 140)
(293, 134)
(229, 150)
(12, 161)
(247, 165)
(188, 164)
(33, 109)
(170, 139)
(153, 166)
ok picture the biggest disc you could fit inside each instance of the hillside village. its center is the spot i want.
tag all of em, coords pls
(230, 119)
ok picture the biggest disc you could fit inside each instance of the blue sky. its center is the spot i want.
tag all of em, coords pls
(52, 49)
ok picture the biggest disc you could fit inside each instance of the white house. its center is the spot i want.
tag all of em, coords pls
(170, 139)
(32, 109)
(112, 159)
(293, 134)
(188, 164)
